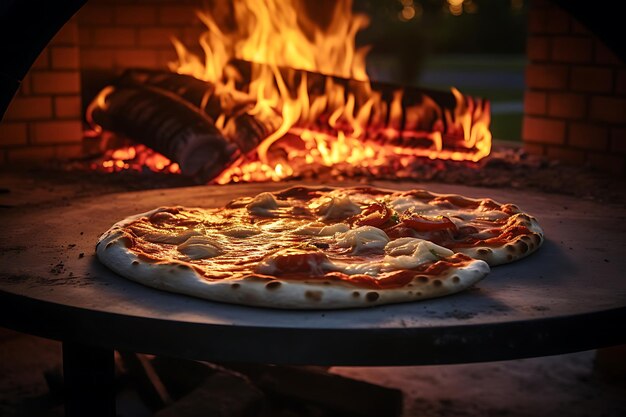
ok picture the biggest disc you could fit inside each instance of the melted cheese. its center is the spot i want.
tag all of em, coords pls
(263, 205)
(320, 229)
(200, 247)
(403, 253)
(363, 238)
(408, 252)
(339, 207)
(241, 231)
(402, 204)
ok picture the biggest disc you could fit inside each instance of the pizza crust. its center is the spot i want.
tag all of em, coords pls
(260, 291)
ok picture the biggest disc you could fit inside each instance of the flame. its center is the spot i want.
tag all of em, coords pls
(336, 122)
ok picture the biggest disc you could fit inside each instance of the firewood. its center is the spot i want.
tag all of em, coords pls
(169, 125)
(240, 127)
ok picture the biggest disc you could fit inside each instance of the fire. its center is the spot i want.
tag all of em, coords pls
(311, 82)
(136, 158)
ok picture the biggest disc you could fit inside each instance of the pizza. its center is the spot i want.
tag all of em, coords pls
(321, 248)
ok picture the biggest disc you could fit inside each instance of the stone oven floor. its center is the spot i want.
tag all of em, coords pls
(565, 385)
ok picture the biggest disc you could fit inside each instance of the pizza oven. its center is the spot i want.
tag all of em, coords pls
(111, 107)
(572, 104)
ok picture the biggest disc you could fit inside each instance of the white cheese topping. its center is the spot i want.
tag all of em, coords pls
(339, 207)
(363, 238)
(320, 229)
(408, 252)
(403, 253)
(200, 247)
(263, 204)
(401, 204)
(241, 231)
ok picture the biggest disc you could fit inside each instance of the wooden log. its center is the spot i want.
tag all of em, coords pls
(167, 124)
(241, 128)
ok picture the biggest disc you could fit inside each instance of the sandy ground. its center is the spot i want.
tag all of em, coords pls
(564, 385)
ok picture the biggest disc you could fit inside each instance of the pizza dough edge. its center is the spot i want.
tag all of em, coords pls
(113, 252)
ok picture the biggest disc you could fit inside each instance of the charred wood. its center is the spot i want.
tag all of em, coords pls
(240, 127)
(167, 124)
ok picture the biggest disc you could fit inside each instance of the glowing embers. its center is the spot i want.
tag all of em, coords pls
(136, 158)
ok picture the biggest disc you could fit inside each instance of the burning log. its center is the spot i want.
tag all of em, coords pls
(229, 107)
(167, 124)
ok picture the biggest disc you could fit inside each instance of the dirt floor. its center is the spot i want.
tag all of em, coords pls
(566, 385)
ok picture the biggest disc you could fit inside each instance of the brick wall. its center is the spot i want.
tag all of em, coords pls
(125, 33)
(575, 101)
(43, 121)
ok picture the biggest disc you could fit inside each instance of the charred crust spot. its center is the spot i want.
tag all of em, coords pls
(419, 293)
(437, 283)
(372, 296)
(313, 295)
(356, 294)
(326, 282)
(109, 245)
(423, 279)
(235, 285)
(456, 279)
(183, 266)
(509, 257)
(126, 241)
(272, 285)
(523, 247)
(484, 251)
(134, 263)
(526, 238)
(509, 247)
(537, 238)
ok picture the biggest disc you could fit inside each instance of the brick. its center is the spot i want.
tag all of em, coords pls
(29, 108)
(535, 148)
(135, 15)
(100, 58)
(548, 131)
(177, 15)
(566, 105)
(592, 79)
(618, 140)
(136, 58)
(32, 155)
(56, 82)
(620, 82)
(546, 76)
(12, 133)
(26, 88)
(608, 109)
(191, 35)
(57, 131)
(43, 60)
(535, 102)
(572, 49)
(64, 57)
(570, 156)
(67, 35)
(161, 36)
(607, 162)
(165, 57)
(68, 151)
(588, 136)
(67, 107)
(548, 20)
(538, 48)
(95, 14)
(114, 37)
(85, 37)
(604, 55)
